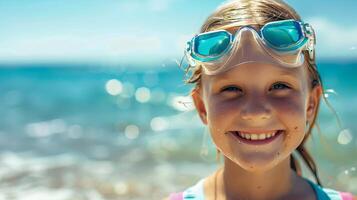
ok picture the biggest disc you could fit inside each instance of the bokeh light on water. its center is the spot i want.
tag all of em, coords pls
(142, 94)
(114, 87)
(158, 124)
(94, 133)
(132, 132)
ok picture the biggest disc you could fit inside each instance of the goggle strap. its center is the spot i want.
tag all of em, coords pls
(312, 41)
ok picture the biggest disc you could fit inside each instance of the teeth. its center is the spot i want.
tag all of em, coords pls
(254, 137)
(262, 136)
(247, 136)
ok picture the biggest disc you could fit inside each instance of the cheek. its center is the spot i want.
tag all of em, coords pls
(220, 114)
(217, 111)
(292, 113)
(222, 109)
(289, 108)
(216, 120)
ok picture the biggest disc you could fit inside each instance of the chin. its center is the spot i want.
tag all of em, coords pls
(256, 162)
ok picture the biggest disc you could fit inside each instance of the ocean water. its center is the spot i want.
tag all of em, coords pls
(98, 132)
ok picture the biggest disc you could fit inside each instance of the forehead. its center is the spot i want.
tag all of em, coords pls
(257, 72)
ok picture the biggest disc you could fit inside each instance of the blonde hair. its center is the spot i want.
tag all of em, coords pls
(238, 13)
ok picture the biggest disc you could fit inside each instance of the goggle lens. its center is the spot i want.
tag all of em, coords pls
(282, 35)
(212, 44)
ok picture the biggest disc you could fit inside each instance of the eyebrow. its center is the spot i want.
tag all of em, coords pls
(288, 74)
(226, 76)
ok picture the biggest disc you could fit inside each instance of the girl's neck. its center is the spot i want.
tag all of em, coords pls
(235, 182)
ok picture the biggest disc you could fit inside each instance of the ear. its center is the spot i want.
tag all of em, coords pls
(196, 95)
(313, 101)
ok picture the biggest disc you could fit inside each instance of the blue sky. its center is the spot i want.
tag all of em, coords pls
(142, 30)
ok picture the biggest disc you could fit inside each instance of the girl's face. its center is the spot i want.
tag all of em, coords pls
(257, 98)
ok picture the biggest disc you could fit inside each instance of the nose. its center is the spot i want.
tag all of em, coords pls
(256, 110)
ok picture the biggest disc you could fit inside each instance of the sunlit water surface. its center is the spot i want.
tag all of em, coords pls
(94, 132)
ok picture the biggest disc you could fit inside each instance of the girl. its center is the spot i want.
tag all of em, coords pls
(258, 90)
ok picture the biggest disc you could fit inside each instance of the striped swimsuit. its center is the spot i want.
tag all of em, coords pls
(196, 193)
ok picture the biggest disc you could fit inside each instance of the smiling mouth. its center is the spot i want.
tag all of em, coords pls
(257, 138)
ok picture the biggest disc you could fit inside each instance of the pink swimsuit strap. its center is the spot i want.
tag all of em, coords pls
(346, 196)
(176, 196)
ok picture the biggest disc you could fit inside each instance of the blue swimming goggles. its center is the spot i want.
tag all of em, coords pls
(281, 40)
